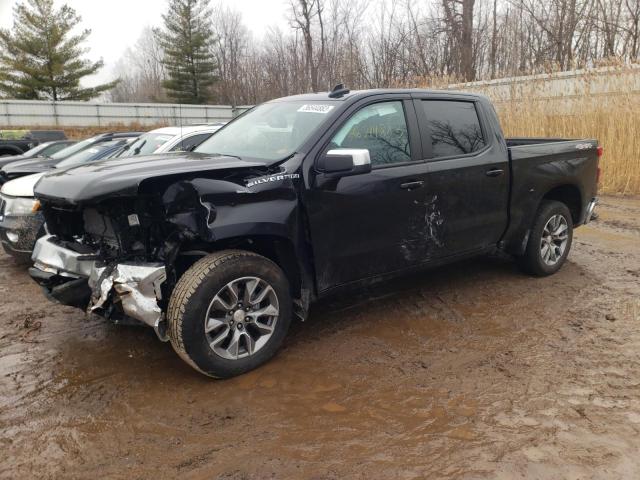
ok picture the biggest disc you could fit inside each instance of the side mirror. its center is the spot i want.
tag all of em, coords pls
(345, 161)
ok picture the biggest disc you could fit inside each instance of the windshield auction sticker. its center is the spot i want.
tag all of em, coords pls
(316, 108)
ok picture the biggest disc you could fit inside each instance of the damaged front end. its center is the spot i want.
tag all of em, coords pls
(119, 254)
(118, 291)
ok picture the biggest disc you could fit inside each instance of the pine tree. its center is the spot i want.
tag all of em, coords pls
(40, 59)
(187, 39)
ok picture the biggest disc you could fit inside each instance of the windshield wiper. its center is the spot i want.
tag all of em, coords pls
(137, 150)
(224, 155)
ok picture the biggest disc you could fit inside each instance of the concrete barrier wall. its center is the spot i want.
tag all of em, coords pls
(564, 89)
(33, 113)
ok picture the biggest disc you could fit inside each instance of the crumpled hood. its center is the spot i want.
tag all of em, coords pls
(122, 176)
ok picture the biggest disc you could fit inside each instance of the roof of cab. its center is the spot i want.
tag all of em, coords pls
(357, 94)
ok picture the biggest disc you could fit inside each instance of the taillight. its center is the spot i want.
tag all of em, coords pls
(599, 152)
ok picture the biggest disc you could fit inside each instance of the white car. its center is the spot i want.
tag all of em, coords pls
(21, 222)
(169, 139)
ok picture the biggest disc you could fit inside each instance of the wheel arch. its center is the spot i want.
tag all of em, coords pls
(570, 195)
(10, 150)
(516, 238)
(279, 249)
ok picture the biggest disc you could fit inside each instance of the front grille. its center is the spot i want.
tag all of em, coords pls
(3, 203)
(100, 228)
(104, 227)
(63, 221)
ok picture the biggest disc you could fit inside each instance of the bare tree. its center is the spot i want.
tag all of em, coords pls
(307, 17)
(141, 72)
(377, 43)
(229, 51)
(457, 21)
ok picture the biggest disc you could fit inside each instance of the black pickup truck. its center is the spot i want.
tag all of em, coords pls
(17, 142)
(296, 199)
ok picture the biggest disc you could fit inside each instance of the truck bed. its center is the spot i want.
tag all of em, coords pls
(556, 165)
(521, 141)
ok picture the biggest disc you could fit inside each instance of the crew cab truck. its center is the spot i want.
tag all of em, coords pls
(296, 199)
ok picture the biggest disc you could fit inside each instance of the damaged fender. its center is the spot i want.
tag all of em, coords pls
(137, 286)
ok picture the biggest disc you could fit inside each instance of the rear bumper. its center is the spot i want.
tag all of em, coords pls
(591, 207)
(83, 281)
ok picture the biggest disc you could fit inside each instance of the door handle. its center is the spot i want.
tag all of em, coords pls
(496, 172)
(411, 185)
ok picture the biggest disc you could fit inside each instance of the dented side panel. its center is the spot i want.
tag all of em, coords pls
(367, 225)
(211, 209)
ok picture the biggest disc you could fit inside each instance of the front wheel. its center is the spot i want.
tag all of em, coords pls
(229, 313)
(549, 240)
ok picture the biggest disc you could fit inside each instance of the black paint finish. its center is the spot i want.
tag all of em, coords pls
(328, 230)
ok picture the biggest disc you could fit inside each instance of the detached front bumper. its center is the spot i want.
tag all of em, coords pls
(82, 280)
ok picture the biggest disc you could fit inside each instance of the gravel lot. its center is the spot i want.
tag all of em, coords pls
(469, 371)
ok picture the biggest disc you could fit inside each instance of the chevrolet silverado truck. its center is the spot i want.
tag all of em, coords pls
(299, 198)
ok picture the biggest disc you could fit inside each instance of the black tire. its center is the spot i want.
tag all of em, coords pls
(531, 261)
(193, 295)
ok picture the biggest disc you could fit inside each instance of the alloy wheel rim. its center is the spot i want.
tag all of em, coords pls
(241, 318)
(555, 237)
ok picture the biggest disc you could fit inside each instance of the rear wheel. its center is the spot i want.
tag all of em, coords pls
(549, 240)
(229, 313)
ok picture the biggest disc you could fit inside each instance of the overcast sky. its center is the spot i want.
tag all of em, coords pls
(116, 24)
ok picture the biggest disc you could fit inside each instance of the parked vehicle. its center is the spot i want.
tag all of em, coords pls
(17, 142)
(169, 139)
(299, 198)
(21, 223)
(41, 151)
(27, 167)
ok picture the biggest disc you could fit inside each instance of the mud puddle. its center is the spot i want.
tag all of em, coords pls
(468, 371)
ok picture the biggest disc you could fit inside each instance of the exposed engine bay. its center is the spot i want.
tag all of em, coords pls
(118, 257)
(113, 258)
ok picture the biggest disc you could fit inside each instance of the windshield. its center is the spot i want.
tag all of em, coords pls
(77, 147)
(96, 152)
(145, 144)
(271, 131)
(36, 150)
(80, 157)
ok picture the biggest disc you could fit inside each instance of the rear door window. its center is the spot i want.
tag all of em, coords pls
(454, 127)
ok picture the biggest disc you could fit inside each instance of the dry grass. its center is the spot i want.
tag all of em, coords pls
(604, 106)
(617, 128)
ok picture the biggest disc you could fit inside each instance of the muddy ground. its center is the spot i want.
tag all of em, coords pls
(469, 371)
